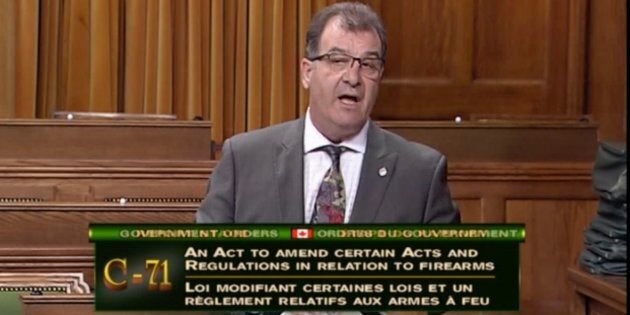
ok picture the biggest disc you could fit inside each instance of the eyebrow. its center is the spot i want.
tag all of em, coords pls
(366, 54)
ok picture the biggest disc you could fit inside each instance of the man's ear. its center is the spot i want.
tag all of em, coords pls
(306, 70)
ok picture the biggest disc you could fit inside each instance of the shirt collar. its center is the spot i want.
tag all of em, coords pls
(314, 139)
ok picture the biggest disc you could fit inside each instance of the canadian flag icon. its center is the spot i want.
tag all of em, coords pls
(302, 233)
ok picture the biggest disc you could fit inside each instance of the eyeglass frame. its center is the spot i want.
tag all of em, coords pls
(358, 59)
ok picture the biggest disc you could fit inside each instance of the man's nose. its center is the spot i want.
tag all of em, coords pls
(352, 75)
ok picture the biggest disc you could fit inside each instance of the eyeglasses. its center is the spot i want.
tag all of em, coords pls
(369, 67)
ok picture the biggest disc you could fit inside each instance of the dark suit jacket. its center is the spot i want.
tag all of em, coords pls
(259, 179)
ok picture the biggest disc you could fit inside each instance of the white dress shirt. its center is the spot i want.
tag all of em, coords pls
(317, 163)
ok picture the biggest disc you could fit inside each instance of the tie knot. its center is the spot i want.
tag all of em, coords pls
(334, 152)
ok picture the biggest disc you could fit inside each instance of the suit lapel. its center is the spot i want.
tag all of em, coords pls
(289, 170)
(376, 172)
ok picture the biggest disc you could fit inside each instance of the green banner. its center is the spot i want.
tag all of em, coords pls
(204, 232)
(307, 267)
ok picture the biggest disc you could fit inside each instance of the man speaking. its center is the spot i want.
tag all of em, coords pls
(334, 165)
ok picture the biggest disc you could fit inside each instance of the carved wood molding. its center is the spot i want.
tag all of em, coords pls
(20, 199)
(187, 124)
(102, 140)
(497, 122)
(610, 290)
(46, 259)
(110, 169)
(533, 171)
(99, 207)
(117, 170)
(161, 200)
(68, 282)
(58, 299)
(72, 115)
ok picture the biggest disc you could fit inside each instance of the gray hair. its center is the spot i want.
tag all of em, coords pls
(355, 16)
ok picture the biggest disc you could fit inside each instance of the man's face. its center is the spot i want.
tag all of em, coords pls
(341, 101)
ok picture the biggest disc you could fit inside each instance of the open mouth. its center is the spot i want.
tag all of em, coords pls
(348, 99)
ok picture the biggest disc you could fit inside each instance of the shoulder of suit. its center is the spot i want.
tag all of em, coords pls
(263, 136)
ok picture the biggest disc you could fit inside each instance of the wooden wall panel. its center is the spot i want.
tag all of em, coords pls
(503, 141)
(607, 95)
(96, 139)
(470, 210)
(553, 242)
(77, 49)
(171, 188)
(236, 62)
(49, 52)
(427, 55)
(103, 88)
(27, 33)
(7, 58)
(508, 43)
(61, 242)
(467, 58)
(67, 225)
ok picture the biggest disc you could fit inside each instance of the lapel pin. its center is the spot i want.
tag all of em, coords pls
(382, 172)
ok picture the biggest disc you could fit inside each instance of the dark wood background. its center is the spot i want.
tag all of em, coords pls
(537, 83)
(225, 62)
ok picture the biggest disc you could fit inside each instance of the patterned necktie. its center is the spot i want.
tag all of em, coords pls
(330, 204)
